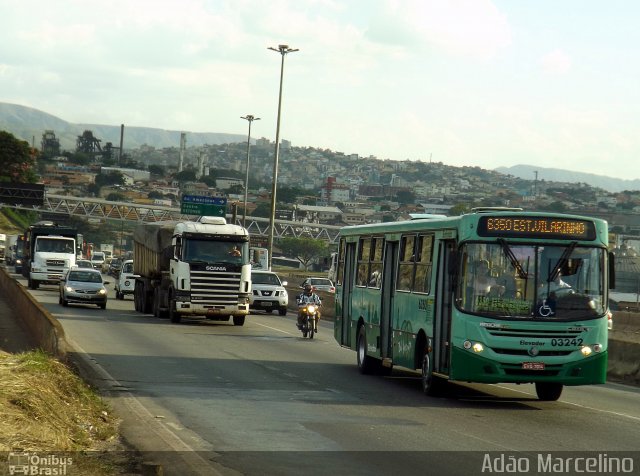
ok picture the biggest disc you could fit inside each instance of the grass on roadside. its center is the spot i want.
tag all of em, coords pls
(46, 408)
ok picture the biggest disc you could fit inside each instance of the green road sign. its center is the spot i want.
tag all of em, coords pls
(203, 206)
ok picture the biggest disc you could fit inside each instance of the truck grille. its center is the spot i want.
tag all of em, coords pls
(56, 263)
(215, 288)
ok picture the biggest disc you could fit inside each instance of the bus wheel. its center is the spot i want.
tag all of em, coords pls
(428, 380)
(548, 391)
(365, 363)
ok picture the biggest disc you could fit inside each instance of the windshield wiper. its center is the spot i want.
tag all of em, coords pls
(514, 261)
(553, 274)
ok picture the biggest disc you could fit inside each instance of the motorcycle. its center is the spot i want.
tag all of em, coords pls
(308, 316)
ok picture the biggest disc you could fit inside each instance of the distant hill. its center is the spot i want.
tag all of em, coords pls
(29, 124)
(608, 184)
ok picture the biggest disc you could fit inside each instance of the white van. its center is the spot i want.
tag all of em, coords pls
(126, 281)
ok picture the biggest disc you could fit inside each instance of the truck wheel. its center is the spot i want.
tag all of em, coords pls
(156, 302)
(173, 314)
(238, 320)
(33, 284)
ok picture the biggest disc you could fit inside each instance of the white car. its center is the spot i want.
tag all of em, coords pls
(126, 281)
(97, 258)
(268, 292)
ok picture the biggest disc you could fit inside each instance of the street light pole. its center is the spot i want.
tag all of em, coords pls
(283, 50)
(250, 119)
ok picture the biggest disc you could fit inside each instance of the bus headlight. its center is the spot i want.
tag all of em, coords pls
(475, 346)
(478, 347)
(586, 351)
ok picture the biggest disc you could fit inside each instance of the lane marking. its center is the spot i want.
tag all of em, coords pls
(578, 405)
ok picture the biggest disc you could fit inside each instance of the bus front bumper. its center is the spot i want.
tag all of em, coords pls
(471, 367)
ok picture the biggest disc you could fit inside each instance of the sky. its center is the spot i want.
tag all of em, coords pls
(488, 83)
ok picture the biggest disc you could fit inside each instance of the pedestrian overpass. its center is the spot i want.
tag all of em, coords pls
(104, 210)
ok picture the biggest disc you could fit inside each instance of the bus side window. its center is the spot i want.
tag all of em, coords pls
(405, 267)
(375, 269)
(363, 261)
(422, 282)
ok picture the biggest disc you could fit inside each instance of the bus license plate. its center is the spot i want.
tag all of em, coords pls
(533, 365)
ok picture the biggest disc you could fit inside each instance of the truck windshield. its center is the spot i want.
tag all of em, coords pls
(532, 281)
(232, 252)
(55, 245)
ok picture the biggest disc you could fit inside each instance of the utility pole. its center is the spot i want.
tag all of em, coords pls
(250, 119)
(283, 50)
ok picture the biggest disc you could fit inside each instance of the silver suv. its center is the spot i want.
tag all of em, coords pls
(268, 292)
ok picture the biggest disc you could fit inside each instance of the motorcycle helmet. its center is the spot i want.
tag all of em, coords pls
(308, 289)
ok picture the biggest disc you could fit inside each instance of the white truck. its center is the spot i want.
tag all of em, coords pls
(192, 269)
(49, 252)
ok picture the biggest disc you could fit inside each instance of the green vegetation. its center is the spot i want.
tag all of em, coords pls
(304, 249)
(44, 407)
(16, 160)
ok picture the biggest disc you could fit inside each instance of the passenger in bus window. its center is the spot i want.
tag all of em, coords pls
(484, 283)
(506, 285)
(375, 279)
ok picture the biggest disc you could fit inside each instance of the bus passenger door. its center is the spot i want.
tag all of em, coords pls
(442, 337)
(388, 288)
(347, 288)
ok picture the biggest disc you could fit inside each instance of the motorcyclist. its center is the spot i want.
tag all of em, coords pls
(308, 297)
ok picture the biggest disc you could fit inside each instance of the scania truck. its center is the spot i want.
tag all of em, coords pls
(49, 253)
(192, 268)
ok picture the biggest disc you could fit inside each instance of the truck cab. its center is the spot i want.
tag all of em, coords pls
(49, 253)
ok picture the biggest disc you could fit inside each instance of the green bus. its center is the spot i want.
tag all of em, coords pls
(495, 295)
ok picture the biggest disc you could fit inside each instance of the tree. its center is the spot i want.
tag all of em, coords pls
(558, 207)
(290, 194)
(405, 197)
(155, 194)
(262, 210)
(208, 180)
(236, 189)
(16, 160)
(116, 197)
(185, 176)
(304, 250)
(458, 209)
(157, 170)
(112, 178)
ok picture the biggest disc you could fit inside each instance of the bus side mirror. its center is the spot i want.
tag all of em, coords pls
(612, 270)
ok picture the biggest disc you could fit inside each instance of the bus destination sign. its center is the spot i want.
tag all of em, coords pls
(537, 227)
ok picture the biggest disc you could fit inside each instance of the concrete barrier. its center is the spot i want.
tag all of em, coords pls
(45, 330)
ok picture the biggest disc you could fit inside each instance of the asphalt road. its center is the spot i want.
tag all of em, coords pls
(209, 397)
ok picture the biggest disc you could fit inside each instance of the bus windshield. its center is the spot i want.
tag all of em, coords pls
(208, 251)
(532, 281)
